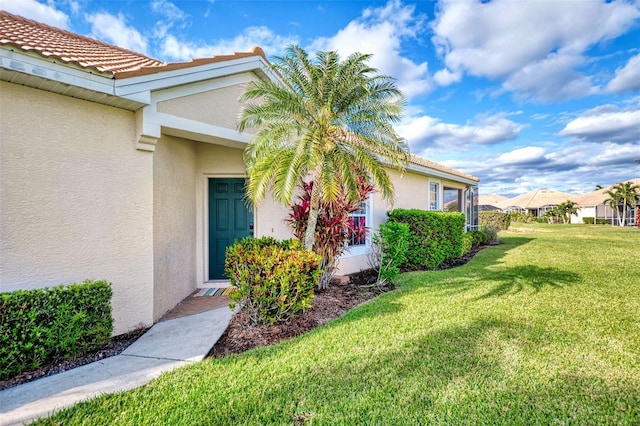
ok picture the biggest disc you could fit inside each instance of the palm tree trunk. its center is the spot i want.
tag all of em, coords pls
(314, 207)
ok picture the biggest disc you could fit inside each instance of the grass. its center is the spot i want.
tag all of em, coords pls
(542, 329)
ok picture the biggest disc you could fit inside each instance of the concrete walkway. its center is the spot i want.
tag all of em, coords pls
(167, 345)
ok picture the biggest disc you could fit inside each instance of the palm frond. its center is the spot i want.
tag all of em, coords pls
(329, 119)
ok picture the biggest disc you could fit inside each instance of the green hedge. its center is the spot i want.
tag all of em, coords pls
(589, 221)
(496, 220)
(40, 326)
(434, 237)
(275, 279)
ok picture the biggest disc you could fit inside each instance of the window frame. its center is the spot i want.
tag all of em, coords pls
(365, 248)
(438, 200)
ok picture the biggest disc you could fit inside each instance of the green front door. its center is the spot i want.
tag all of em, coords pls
(229, 219)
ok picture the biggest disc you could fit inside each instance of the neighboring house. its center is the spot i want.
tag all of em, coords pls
(117, 166)
(594, 205)
(490, 202)
(535, 202)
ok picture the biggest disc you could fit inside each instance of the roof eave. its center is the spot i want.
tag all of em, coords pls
(442, 174)
(164, 79)
(54, 76)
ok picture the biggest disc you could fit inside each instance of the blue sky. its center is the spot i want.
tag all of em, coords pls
(523, 94)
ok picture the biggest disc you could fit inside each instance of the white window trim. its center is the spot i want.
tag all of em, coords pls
(439, 201)
(366, 248)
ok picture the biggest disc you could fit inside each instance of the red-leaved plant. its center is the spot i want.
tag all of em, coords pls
(334, 228)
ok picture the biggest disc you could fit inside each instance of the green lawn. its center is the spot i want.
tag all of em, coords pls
(542, 329)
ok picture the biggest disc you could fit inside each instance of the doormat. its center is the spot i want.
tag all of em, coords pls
(221, 291)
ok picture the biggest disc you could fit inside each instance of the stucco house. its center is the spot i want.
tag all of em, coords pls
(117, 166)
(594, 205)
(535, 202)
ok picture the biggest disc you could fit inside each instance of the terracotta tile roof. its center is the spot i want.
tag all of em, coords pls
(90, 54)
(169, 66)
(50, 42)
(421, 161)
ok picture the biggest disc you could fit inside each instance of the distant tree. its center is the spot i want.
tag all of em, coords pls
(599, 187)
(614, 202)
(553, 214)
(622, 196)
(566, 210)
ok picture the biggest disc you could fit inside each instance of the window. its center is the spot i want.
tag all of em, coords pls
(471, 211)
(452, 199)
(434, 196)
(358, 222)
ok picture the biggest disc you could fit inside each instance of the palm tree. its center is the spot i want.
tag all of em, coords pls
(328, 121)
(614, 202)
(622, 196)
(568, 209)
(629, 196)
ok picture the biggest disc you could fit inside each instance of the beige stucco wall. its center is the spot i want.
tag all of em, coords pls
(174, 222)
(219, 107)
(75, 199)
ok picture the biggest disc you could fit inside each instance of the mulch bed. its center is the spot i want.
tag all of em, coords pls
(242, 335)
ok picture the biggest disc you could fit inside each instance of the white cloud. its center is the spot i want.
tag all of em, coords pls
(522, 155)
(604, 125)
(534, 45)
(627, 78)
(271, 43)
(381, 31)
(550, 79)
(114, 29)
(428, 133)
(35, 10)
(173, 16)
(168, 10)
(573, 168)
(445, 77)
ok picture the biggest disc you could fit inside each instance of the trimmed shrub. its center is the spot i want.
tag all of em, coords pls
(490, 235)
(496, 220)
(275, 279)
(44, 325)
(478, 238)
(588, 220)
(390, 250)
(483, 236)
(467, 243)
(434, 237)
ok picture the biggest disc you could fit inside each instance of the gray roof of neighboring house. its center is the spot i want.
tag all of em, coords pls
(490, 199)
(537, 198)
(599, 196)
